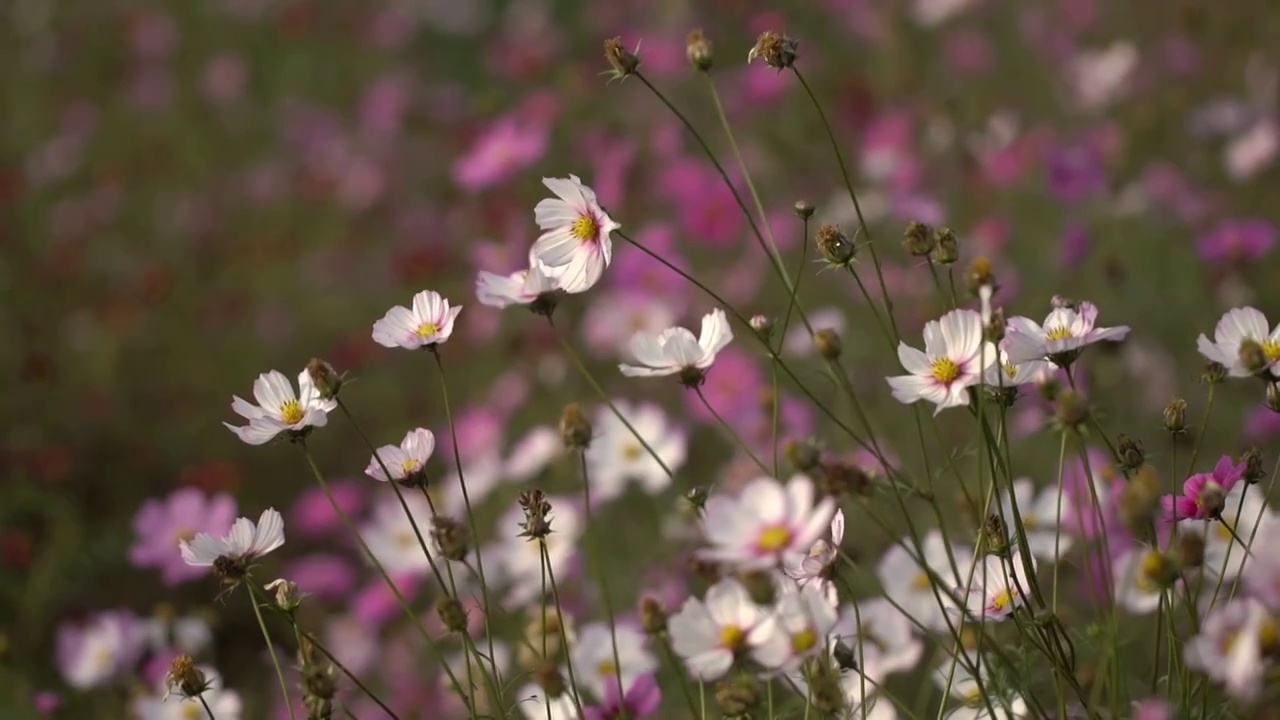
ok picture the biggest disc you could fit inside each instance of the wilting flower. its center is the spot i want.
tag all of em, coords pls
(641, 698)
(522, 287)
(1232, 646)
(94, 653)
(1236, 328)
(405, 461)
(910, 583)
(796, 629)
(279, 409)
(160, 705)
(1064, 333)
(1203, 494)
(598, 667)
(765, 522)
(676, 350)
(707, 633)
(428, 323)
(814, 566)
(998, 587)
(954, 358)
(575, 245)
(160, 525)
(245, 542)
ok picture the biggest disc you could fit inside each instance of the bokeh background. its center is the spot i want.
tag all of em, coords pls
(195, 193)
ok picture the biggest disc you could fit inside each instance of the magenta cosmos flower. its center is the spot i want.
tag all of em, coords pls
(161, 525)
(1203, 494)
(642, 698)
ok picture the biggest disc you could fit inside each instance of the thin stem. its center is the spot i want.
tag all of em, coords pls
(684, 683)
(732, 433)
(601, 578)
(564, 636)
(271, 648)
(205, 704)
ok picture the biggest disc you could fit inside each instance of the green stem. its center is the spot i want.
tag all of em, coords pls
(271, 648)
(737, 439)
(601, 577)
(205, 704)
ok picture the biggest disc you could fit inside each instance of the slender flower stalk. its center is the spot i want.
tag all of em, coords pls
(601, 575)
(271, 649)
(564, 635)
(733, 434)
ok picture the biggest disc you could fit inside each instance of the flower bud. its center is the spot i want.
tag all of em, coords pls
(804, 455)
(452, 614)
(762, 325)
(997, 328)
(845, 656)
(452, 538)
(827, 342)
(841, 480)
(1131, 453)
(1175, 416)
(1191, 549)
(946, 249)
(548, 677)
(575, 429)
(286, 593)
(622, 61)
(825, 690)
(697, 497)
(705, 570)
(918, 240)
(737, 696)
(698, 49)
(653, 616)
(834, 246)
(979, 275)
(185, 677)
(1253, 358)
(1253, 470)
(1214, 372)
(327, 380)
(803, 210)
(777, 51)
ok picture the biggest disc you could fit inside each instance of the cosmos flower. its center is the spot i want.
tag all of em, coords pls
(1041, 517)
(814, 566)
(96, 652)
(391, 538)
(1232, 648)
(954, 358)
(522, 287)
(1138, 582)
(160, 525)
(764, 523)
(642, 697)
(575, 243)
(796, 629)
(998, 587)
(596, 664)
(881, 638)
(675, 350)
(616, 458)
(1203, 494)
(1237, 327)
(1004, 373)
(708, 633)
(245, 542)
(1064, 333)
(405, 461)
(428, 323)
(965, 687)
(279, 409)
(910, 585)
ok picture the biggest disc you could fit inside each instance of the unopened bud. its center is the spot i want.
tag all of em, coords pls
(1131, 453)
(1175, 416)
(803, 210)
(827, 343)
(840, 480)
(622, 61)
(327, 381)
(575, 428)
(697, 497)
(286, 594)
(826, 693)
(834, 246)
(946, 249)
(918, 239)
(997, 327)
(452, 538)
(738, 696)
(452, 614)
(762, 325)
(1253, 358)
(698, 49)
(1214, 372)
(804, 455)
(1253, 470)
(1191, 549)
(653, 616)
(777, 51)
(979, 275)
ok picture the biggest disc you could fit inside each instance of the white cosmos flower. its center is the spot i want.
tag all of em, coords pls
(1041, 516)
(1233, 645)
(764, 523)
(1065, 331)
(998, 587)
(966, 688)
(574, 245)
(519, 560)
(535, 707)
(279, 409)
(676, 350)
(707, 633)
(429, 322)
(954, 358)
(1137, 579)
(1237, 326)
(888, 641)
(796, 629)
(812, 567)
(390, 535)
(1004, 373)
(615, 457)
(909, 585)
(521, 287)
(406, 460)
(245, 541)
(1101, 76)
(595, 663)
(163, 704)
(532, 454)
(1247, 515)
(95, 653)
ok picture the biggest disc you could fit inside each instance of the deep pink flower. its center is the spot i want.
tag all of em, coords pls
(505, 148)
(159, 525)
(1203, 493)
(1235, 240)
(642, 698)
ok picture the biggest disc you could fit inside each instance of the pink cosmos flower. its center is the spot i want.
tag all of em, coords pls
(575, 243)
(160, 525)
(504, 149)
(1066, 331)
(1203, 494)
(955, 357)
(1237, 240)
(641, 698)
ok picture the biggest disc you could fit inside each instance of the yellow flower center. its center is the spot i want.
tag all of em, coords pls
(1030, 522)
(1271, 348)
(405, 539)
(1060, 332)
(803, 641)
(585, 228)
(773, 539)
(1011, 370)
(410, 466)
(731, 637)
(183, 533)
(192, 711)
(1269, 636)
(606, 667)
(291, 412)
(921, 581)
(945, 370)
(1002, 600)
(972, 696)
(632, 451)
(427, 329)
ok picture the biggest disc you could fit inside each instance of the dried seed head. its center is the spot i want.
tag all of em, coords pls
(995, 537)
(1253, 470)
(803, 210)
(1132, 455)
(575, 428)
(834, 246)
(777, 51)
(452, 614)
(738, 696)
(918, 239)
(452, 538)
(1175, 416)
(622, 62)
(653, 616)
(946, 249)
(1214, 372)
(327, 380)
(537, 514)
(827, 343)
(698, 49)
(185, 677)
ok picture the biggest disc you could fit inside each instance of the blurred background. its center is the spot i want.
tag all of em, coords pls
(196, 193)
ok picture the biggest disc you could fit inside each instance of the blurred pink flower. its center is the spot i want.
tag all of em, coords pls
(153, 36)
(151, 88)
(733, 387)
(505, 148)
(225, 77)
(706, 209)
(324, 576)
(383, 106)
(1235, 240)
(1261, 424)
(159, 525)
(375, 604)
(312, 515)
(968, 52)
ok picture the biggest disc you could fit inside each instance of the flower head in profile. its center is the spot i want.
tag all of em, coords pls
(280, 409)
(1234, 642)
(231, 555)
(955, 357)
(641, 698)
(766, 522)
(1203, 494)
(1065, 332)
(406, 462)
(575, 245)
(535, 286)
(427, 324)
(676, 350)
(797, 629)
(1240, 334)
(815, 565)
(161, 524)
(708, 633)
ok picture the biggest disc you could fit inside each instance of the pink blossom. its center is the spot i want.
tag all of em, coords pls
(159, 525)
(641, 698)
(1203, 493)
(1238, 240)
(312, 514)
(505, 148)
